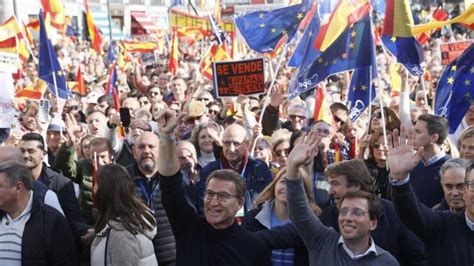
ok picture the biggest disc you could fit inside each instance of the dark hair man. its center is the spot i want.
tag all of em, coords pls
(31, 233)
(430, 133)
(222, 240)
(357, 219)
(448, 236)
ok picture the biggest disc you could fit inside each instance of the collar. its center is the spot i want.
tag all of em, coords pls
(436, 158)
(265, 214)
(469, 223)
(242, 165)
(370, 250)
(25, 212)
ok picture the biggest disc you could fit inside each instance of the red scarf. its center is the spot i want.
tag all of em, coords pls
(243, 162)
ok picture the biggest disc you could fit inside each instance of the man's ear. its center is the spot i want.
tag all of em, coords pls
(373, 225)
(240, 203)
(434, 138)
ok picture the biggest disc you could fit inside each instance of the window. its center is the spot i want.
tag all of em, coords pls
(157, 2)
(137, 2)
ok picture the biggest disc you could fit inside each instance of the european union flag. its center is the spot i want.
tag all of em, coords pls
(112, 84)
(455, 91)
(408, 52)
(262, 30)
(359, 95)
(305, 53)
(352, 49)
(112, 52)
(49, 68)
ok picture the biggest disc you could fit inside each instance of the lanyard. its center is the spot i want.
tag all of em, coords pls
(145, 192)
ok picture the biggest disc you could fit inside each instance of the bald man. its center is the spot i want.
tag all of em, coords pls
(235, 156)
(144, 172)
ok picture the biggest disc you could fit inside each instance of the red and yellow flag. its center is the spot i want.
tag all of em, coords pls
(215, 53)
(466, 18)
(34, 24)
(33, 91)
(438, 15)
(96, 38)
(28, 36)
(191, 35)
(321, 107)
(174, 53)
(10, 28)
(137, 46)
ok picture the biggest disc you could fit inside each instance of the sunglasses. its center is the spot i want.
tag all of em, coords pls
(204, 99)
(215, 112)
(378, 115)
(293, 117)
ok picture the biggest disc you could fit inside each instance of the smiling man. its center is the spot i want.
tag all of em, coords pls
(357, 219)
(221, 240)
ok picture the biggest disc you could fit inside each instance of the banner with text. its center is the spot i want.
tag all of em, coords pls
(8, 62)
(233, 78)
(451, 51)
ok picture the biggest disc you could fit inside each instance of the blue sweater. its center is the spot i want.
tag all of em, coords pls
(448, 239)
(425, 181)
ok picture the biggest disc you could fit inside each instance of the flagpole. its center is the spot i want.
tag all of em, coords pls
(265, 104)
(109, 17)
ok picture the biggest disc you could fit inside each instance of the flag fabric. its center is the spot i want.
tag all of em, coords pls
(466, 18)
(217, 10)
(174, 53)
(94, 34)
(28, 36)
(398, 38)
(81, 86)
(112, 80)
(360, 95)
(262, 30)
(10, 28)
(438, 15)
(305, 53)
(141, 47)
(34, 91)
(455, 90)
(219, 34)
(9, 45)
(33, 24)
(191, 35)
(49, 68)
(52, 6)
(56, 10)
(177, 3)
(352, 49)
(112, 53)
(321, 106)
(214, 54)
(345, 14)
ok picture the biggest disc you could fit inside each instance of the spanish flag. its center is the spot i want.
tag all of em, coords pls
(321, 107)
(96, 38)
(466, 18)
(34, 91)
(438, 15)
(191, 35)
(142, 47)
(10, 28)
(174, 53)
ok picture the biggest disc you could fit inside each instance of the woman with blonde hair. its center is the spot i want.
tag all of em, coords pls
(466, 144)
(271, 211)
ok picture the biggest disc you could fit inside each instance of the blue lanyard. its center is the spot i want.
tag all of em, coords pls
(145, 192)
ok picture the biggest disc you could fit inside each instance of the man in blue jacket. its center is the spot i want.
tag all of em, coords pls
(448, 236)
(235, 156)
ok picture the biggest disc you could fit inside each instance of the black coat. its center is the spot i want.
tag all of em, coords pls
(47, 239)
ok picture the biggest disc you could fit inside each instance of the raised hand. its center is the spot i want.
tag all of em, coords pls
(73, 130)
(168, 120)
(303, 152)
(402, 158)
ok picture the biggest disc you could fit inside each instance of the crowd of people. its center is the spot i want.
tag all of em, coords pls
(197, 180)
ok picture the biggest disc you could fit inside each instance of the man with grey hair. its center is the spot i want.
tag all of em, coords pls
(31, 233)
(453, 173)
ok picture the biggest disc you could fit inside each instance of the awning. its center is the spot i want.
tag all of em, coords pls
(143, 24)
(101, 20)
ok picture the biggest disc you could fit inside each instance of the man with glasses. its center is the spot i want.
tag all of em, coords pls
(448, 236)
(357, 219)
(235, 156)
(154, 94)
(221, 240)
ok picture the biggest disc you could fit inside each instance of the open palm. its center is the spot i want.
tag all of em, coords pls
(402, 158)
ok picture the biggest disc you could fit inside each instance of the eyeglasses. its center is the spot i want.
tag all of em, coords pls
(214, 112)
(236, 144)
(378, 115)
(221, 196)
(470, 186)
(204, 99)
(293, 117)
(356, 212)
(279, 153)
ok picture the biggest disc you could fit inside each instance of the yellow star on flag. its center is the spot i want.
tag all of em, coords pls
(472, 70)
(450, 80)
(60, 73)
(320, 60)
(363, 87)
(393, 39)
(274, 30)
(453, 68)
(299, 16)
(351, 45)
(334, 61)
(353, 33)
(343, 55)
(262, 15)
(467, 82)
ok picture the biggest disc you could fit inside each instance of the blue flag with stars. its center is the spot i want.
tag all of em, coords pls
(305, 53)
(352, 49)
(359, 95)
(455, 91)
(262, 30)
(49, 68)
